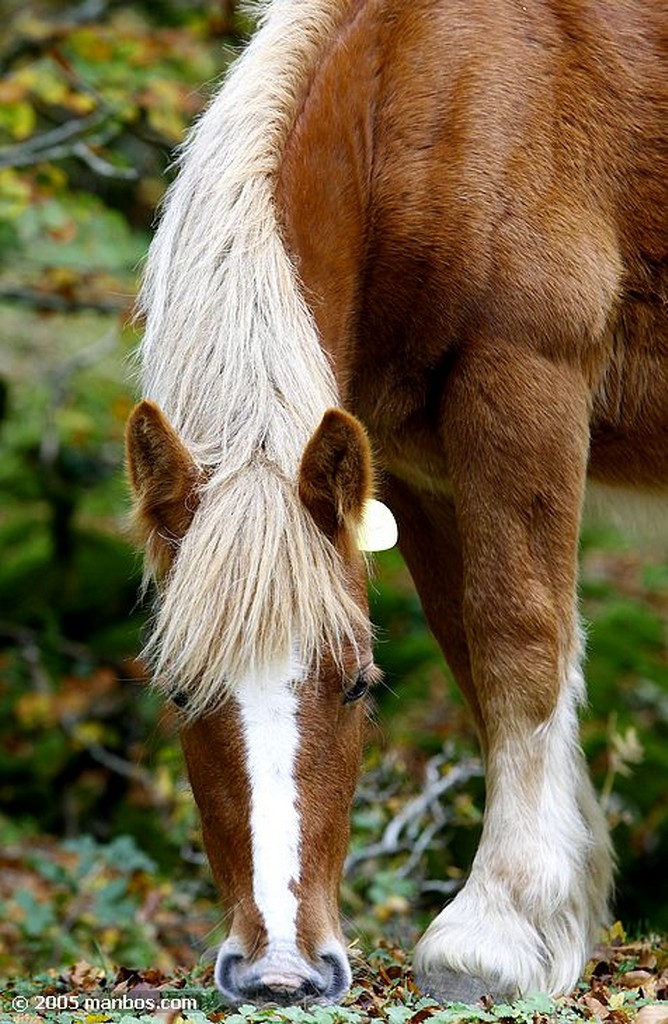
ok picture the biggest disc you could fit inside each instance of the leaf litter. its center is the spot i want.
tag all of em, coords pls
(625, 983)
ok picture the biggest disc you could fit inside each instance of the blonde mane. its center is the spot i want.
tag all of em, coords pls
(232, 356)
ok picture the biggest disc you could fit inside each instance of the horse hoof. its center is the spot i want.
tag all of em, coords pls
(447, 986)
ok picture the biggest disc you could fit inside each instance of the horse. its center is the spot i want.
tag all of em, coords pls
(416, 250)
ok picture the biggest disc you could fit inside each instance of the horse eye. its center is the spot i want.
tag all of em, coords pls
(179, 698)
(357, 690)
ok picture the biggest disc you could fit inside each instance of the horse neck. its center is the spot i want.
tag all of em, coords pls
(226, 316)
(322, 195)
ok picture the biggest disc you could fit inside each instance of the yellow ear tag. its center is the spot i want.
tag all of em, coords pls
(378, 528)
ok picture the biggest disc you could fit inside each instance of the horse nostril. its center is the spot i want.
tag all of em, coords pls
(339, 976)
(225, 976)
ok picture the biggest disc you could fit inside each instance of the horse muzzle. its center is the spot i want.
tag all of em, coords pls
(282, 975)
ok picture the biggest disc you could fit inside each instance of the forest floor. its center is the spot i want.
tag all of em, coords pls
(625, 983)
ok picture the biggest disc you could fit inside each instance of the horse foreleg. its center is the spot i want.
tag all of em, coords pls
(515, 429)
(430, 545)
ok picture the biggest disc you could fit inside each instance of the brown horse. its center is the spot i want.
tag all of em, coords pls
(446, 217)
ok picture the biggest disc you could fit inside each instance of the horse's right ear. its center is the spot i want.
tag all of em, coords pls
(164, 479)
(336, 476)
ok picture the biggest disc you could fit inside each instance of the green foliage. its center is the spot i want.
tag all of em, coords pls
(92, 105)
(96, 893)
(625, 728)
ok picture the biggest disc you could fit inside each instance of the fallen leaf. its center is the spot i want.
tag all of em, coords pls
(635, 979)
(654, 1013)
(85, 976)
(597, 1008)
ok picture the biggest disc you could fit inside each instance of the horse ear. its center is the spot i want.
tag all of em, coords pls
(164, 479)
(336, 476)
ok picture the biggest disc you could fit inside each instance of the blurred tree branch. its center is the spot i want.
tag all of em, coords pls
(88, 12)
(52, 302)
(40, 147)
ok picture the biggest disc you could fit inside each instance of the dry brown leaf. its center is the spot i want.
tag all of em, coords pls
(654, 1013)
(85, 976)
(421, 1015)
(596, 1007)
(618, 1016)
(635, 979)
(647, 959)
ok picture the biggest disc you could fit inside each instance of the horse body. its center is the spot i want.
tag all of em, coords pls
(501, 194)
(473, 199)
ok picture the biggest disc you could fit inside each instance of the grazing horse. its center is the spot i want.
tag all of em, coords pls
(436, 231)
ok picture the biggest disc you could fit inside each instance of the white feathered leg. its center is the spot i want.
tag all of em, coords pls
(529, 914)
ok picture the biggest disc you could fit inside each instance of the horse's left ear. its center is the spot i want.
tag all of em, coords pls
(164, 479)
(336, 476)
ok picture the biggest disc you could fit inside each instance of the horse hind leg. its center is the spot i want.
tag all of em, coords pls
(516, 433)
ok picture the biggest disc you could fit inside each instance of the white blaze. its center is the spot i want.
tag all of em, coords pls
(271, 737)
